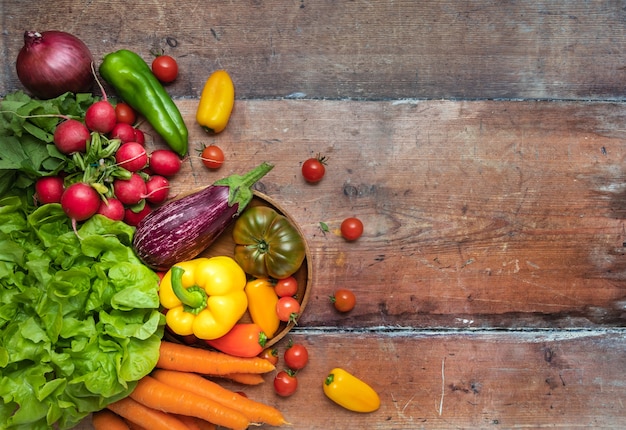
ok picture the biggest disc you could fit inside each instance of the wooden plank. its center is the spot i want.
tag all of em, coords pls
(490, 278)
(481, 214)
(470, 380)
(360, 50)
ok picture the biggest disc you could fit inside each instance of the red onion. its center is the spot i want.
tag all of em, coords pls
(54, 62)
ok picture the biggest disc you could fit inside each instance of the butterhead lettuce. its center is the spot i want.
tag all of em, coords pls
(79, 318)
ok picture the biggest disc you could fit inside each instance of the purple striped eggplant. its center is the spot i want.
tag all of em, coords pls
(181, 229)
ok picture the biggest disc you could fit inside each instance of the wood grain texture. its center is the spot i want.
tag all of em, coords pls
(354, 49)
(479, 215)
(490, 279)
(459, 381)
(506, 214)
(471, 381)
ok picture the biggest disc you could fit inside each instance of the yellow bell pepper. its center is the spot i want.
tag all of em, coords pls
(262, 300)
(216, 102)
(350, 392)
(204, 297)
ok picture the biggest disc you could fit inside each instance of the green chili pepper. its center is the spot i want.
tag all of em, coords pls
(135, 83)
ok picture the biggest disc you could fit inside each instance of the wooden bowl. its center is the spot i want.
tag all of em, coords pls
(224, 245)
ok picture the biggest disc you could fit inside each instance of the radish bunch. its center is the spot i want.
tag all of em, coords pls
(108, 169)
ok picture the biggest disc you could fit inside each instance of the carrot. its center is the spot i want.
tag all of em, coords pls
(108, 420)
(205, 425)
(175, 356)
(133, 426)
(190, 422)
(243, 378)
(253, 410)
(195, 423)
(146, 417)
(175, 400)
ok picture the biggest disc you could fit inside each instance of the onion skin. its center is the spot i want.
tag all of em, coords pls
(52, 63)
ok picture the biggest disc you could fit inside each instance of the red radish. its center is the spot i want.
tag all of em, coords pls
(71, 136)
(134, 218)
(140, 137)
(80, 202)
(130, 191)
(49, 189)
(165, 162)
(123, 132)
(112, 208)
(132, 156)
(157, 189)
(100, 117)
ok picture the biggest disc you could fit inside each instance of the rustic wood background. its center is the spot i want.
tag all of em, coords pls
(482, 145)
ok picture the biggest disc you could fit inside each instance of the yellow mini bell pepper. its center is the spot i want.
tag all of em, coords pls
(204, 297)
(350, 392)
(216, 102)
(262, 300)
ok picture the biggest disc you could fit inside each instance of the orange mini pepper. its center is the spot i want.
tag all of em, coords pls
(262, 301)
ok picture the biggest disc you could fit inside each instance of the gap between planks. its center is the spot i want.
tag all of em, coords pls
(529, 333)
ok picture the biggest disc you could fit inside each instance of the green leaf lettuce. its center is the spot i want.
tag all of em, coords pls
(79, 319)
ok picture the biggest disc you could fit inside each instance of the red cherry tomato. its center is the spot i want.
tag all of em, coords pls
(296, 356)
(125, 114)
(270, 354)
(351, 228)
(286, 287)
(212, 156)
(165, 68)
(288, 309)
(285, 383)
(344, 300)
(313, 169)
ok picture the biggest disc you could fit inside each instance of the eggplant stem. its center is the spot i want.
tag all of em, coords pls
(240, 187)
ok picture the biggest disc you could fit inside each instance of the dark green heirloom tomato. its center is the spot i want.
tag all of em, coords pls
(267, 244)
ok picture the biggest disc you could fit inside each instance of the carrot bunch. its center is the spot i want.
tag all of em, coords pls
(177, 395)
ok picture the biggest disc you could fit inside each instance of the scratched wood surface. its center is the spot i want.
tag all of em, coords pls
(489, 226)
(355, 49)
(505, 214)
(482, 145)
(444, 381)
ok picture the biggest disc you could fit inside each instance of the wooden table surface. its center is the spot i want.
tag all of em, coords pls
(481, 143)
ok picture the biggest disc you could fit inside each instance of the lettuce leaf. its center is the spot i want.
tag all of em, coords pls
(79, 319)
